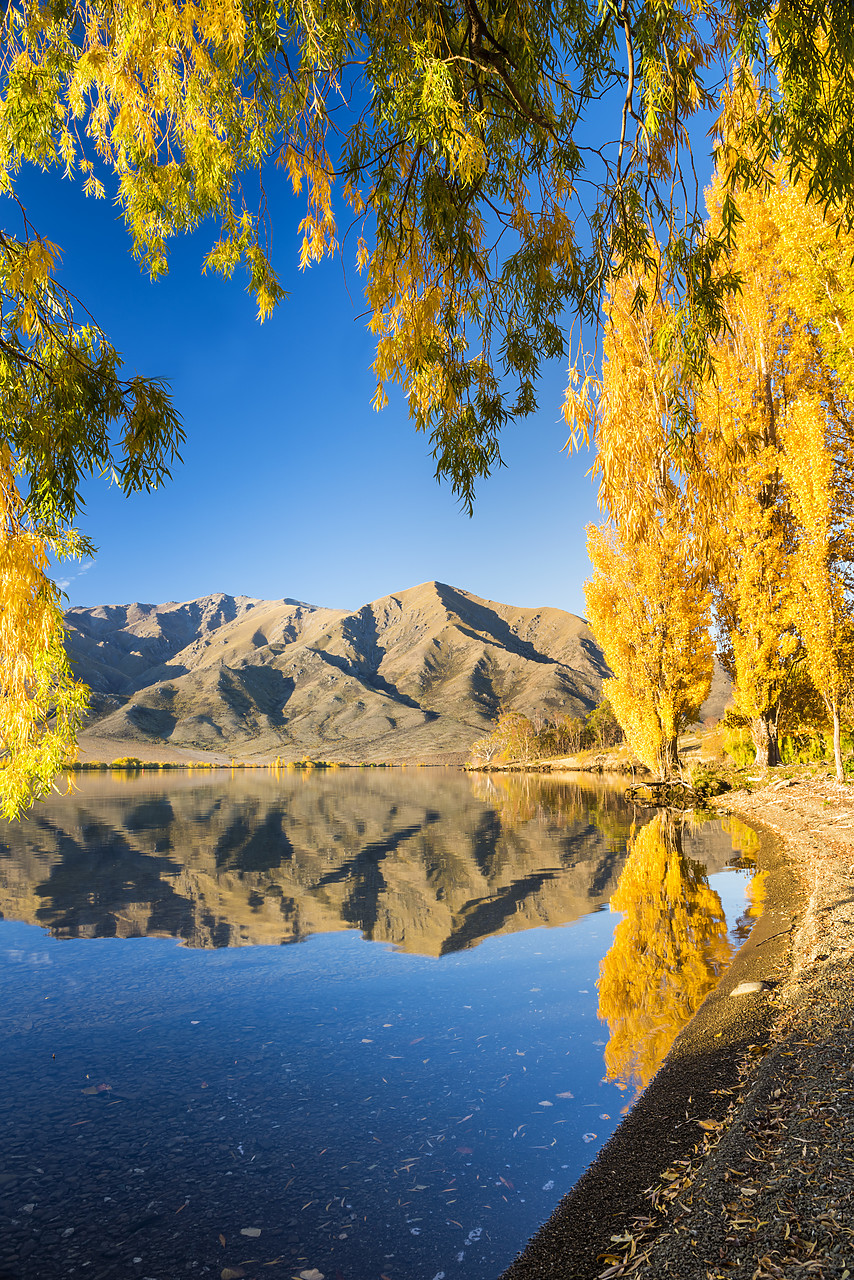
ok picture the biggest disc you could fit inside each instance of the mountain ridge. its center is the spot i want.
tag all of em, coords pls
(416, 675)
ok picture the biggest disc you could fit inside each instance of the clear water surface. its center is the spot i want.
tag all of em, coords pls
(406, 1094)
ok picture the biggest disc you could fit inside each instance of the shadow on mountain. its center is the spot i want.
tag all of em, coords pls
(366, 674)
(478, 620)
(251, 691)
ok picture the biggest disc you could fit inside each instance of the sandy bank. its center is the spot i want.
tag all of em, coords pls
(738, 1160)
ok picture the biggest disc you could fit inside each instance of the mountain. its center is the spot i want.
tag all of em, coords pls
(414, 676)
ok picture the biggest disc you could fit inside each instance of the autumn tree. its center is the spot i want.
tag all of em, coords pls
(515, 737)
(647, 600)
(41, 704)
(760, 645)
(668, 953)
(773, 356)
(602, 728)
(822, 606)
(66, 414)
(484, 750)
(712, 445)
(649, 609)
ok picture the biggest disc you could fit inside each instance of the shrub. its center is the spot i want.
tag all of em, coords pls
(738, 744)
(707, 781)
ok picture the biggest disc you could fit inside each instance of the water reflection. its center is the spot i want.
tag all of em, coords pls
(431, 862)
(370, 1113)
(669, 951)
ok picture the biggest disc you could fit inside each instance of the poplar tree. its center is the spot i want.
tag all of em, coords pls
(648, 600)
(649, 609)
(822, 606)
(670, 441)
(772, 356)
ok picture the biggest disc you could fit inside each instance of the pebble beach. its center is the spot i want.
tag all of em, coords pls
(738, 1160)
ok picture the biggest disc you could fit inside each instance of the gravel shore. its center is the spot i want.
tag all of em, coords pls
(738, 1160)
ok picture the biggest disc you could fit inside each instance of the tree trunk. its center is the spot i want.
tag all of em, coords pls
(837, 744)
(668, 758)
(764, 733)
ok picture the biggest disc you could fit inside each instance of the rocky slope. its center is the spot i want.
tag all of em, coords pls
(417, 675)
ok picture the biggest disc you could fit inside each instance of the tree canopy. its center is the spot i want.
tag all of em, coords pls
(496, 162)
(498, 158)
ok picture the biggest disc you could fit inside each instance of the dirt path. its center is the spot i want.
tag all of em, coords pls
(738, 1161)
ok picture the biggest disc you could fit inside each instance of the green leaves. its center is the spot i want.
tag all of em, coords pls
(66, 411)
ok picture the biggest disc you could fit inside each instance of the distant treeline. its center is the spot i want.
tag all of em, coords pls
(132, 764)
(522, 739)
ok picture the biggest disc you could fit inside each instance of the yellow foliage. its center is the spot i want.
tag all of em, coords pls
(668, 953)
(824, 617)
(757, 423)
(650, 611)
(41, 705)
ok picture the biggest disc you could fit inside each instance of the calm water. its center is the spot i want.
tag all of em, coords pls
(404, 1095)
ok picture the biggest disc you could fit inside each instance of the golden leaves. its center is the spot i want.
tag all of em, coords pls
(824, 614)
(756, 455)
(650, 611)
(41, 704)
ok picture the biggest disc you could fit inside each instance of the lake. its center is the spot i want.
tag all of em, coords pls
(366, 1023)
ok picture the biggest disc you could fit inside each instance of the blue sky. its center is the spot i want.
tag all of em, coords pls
(291, 484)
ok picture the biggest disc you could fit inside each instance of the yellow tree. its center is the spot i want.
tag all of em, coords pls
(662, 431)
(650, 610)
(647, 600)
(668, 953)
(771, 356)
(516, 737)
(822, 608)
(752, 575)
(41, 704)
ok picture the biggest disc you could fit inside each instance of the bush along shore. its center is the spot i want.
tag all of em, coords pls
(738, 1160)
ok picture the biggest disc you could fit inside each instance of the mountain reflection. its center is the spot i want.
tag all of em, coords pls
(430, 861)
(668, 953)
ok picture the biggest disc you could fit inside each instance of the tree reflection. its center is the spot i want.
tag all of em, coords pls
(520, 798)
(668, 952)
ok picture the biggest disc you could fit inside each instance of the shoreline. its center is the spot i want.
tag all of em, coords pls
(749, 1067)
